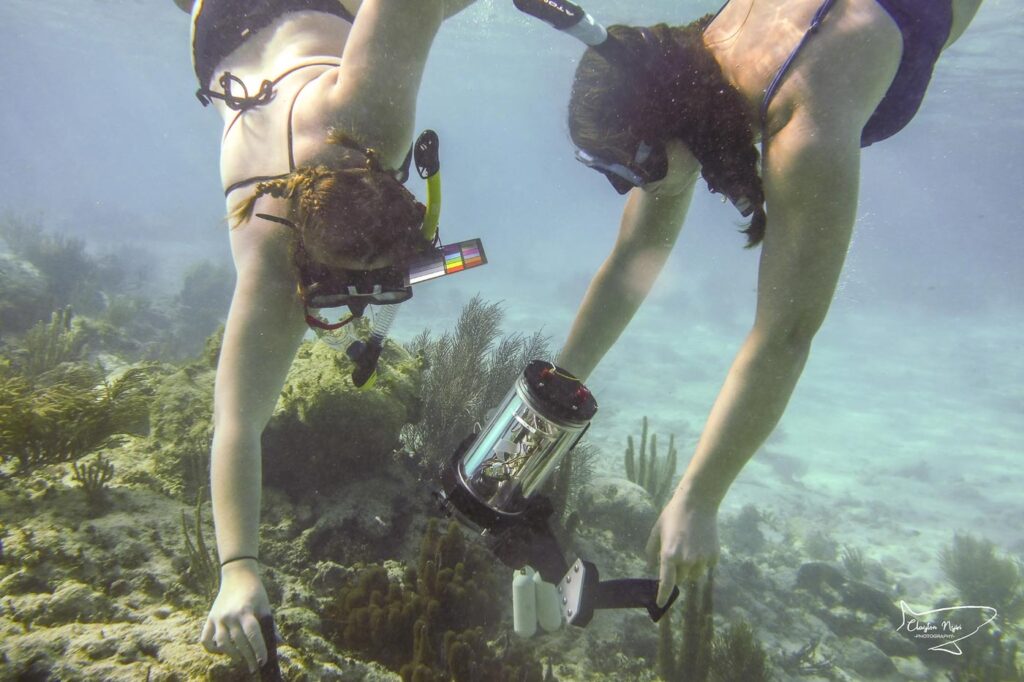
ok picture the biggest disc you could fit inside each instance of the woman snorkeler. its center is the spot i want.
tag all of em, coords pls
(651, 108)
(318, 99)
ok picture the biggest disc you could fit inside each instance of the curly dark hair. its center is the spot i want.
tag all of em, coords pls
(361, 213)
(672, 87)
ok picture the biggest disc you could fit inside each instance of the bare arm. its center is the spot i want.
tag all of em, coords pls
(650, 224)
(264, 327)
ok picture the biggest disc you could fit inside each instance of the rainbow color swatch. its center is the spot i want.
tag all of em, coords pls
(447, 260)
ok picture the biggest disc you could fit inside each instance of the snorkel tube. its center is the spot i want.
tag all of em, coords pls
(435, 261)
(366, 354)
(428, 165)
(573, 20)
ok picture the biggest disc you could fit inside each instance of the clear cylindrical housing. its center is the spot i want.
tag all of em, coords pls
(517, 451)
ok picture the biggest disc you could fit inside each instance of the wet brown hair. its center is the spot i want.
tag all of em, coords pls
(359, 213)
(673, 88)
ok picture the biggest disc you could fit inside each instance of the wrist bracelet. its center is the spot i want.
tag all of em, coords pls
(238, 558)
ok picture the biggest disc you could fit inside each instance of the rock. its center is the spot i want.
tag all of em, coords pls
(894, 643)
(817, 576)
(99, 649)
(24, 295)
(864, 658)
(23, 582)
(913, 669)
(325, 432)
(619, 506)
(861, 597)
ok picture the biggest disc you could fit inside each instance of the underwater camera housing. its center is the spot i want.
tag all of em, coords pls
(492, 485)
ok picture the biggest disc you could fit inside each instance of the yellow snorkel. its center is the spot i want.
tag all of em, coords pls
(428, 165)
(386, 287)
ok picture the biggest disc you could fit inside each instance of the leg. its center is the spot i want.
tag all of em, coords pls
(264, 327)
(374, 95)
(811, 188)
(811, 182)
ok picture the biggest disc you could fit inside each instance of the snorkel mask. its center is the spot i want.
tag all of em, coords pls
(650, 164)
(322, 287)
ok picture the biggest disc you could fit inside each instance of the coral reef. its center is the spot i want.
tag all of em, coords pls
(701, 655)
(181, 427)
(620, 507)
(736, 656)
(988, 660)
(568, 482)
(983, 577)
(743, 532)
(72, 276)
(46, 346)
(63, 414)
(820, 546)
(23, 297)
(656, 477)
(690, 659)
(200, 306)
(434, 623)
(93, 478)
(854, 563)
(203, 568)
(325, 432)
(466, 372)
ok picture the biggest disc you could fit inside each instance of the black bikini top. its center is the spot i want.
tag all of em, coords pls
(265, 95)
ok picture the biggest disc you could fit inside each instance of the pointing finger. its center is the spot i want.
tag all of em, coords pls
(666, 581)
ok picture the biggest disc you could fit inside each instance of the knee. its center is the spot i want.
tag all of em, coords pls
(790, 334)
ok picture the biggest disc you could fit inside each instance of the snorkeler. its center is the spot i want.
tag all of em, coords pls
(653, 107)
(318, 100)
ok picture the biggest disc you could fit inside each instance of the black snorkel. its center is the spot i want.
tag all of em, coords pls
(573, 20)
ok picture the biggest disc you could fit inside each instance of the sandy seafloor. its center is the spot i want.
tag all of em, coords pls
(908, 424)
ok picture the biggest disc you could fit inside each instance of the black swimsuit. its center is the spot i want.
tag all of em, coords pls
(925, 25)
(219, 27)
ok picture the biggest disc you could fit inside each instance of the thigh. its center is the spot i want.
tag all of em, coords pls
(811, 185)
(264, 327)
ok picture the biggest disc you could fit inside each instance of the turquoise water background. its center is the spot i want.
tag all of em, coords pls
(909, 421)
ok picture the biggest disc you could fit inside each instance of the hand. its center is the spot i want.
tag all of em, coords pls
(233, 628)
(684, 543)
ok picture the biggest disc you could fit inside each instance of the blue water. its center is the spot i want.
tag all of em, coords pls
(919, 368)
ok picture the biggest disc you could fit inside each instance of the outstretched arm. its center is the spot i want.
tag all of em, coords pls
(650, 224)
(264, 327)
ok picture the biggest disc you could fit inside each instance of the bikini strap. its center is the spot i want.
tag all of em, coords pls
(267, 85)
(769, 93)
